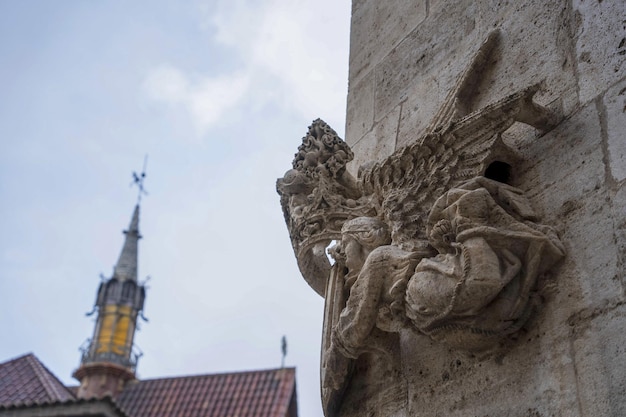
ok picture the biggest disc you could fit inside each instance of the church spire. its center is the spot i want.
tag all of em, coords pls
(126, 267)
(110, 359)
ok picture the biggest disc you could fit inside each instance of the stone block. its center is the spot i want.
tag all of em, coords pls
(600, 45)
(564, 165)
(564, 174)
(428, 51)
(447, 383)
(591, 274)
(615, 110)
(618, 207)
(598, 352)
(377, 26)
(357, 4)
(360, 117)
(416, 112)
(427, 54)
(535, 46)
(377, 144)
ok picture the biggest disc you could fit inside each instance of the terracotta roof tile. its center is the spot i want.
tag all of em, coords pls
(26, 380)
(97, 407)
(268, 393)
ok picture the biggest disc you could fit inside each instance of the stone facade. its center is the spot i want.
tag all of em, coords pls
(485, 141)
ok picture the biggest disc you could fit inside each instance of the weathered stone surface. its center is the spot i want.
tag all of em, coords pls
(598, 349)
(381, 142)
(416, 109)
(461, 385)
(600, 45)
(536, 47)
(592, 277)
(570, 191)
(435, 96)
(615, 112)
(557, 180)
(618, 200)
(424, 53)
(360, 117)
(374, 33)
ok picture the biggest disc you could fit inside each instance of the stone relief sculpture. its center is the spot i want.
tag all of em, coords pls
(432, 240)
(476, 288)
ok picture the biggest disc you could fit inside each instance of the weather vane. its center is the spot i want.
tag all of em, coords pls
(138, 180)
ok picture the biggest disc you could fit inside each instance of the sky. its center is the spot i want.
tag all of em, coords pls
(218, 94)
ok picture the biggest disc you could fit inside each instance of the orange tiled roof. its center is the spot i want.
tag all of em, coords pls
(26, 380)
(269, 393)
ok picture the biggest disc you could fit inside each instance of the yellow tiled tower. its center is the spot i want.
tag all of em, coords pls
(109, 360)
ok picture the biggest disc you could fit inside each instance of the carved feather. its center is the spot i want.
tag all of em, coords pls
(408, 182)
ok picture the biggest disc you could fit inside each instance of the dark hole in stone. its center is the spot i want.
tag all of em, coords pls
(499, 171)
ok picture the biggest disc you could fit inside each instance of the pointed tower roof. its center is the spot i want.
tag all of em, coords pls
(126, 267)
(110, 358)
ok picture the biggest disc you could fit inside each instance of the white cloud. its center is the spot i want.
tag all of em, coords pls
(205, 99)
(211, 98)
(295, 54)
(167, 83)
(303, 45)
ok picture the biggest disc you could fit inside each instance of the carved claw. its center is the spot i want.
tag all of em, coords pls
(536, 115)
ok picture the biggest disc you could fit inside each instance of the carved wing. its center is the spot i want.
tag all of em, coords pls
(407, 183)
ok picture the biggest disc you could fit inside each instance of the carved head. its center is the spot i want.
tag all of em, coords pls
(359, 237)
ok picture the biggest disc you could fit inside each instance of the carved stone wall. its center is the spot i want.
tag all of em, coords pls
(477, 212)
(406, 62)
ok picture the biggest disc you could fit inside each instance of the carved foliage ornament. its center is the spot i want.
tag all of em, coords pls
(318, 195)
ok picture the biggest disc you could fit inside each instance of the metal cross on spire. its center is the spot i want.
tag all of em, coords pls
(139, 178)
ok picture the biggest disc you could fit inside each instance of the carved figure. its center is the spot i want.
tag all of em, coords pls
(376, 278)
(360, 236)
(432, 239)
(478, 288)
(474, 291)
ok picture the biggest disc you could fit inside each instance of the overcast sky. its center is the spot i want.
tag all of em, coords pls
(218, 94)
